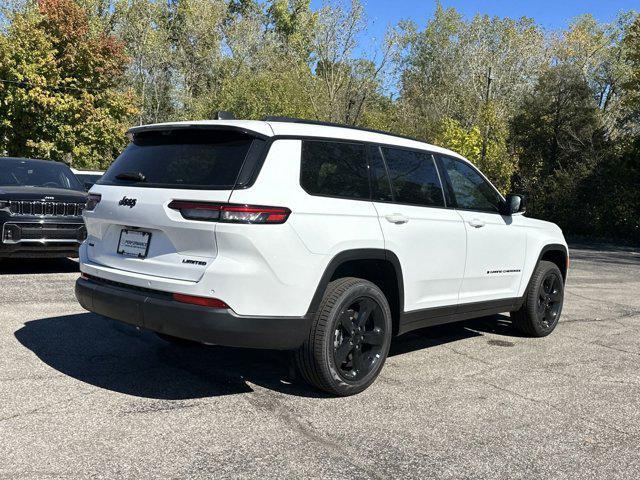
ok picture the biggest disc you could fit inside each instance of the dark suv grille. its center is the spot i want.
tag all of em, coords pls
(43, 232)
(58, 209)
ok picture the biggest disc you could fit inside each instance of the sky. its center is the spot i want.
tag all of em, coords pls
(551, 14)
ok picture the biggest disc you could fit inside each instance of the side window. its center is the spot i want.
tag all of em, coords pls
(380, 186)
(334, 169)
(471, 190)
(414, 177)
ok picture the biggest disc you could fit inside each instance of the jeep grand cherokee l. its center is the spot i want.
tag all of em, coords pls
(326, 240)
(41, 205)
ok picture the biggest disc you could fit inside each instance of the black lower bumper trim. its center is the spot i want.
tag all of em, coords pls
(38, 250)
(164, 315)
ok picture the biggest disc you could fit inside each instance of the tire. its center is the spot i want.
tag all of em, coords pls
(344, 353)
(177, 341)
(540, 313)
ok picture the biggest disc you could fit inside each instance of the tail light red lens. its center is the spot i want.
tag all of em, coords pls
(209, 212)
(92, 201)
(230, 213)
(201, 301)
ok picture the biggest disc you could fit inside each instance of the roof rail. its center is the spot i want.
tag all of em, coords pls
(224, 115)
(274, 118)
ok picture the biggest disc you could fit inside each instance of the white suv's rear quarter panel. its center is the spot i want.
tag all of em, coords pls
(319, 228)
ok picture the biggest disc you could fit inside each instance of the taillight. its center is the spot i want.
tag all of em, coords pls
(230, 213)
(92, 201)
(197, 211)
(201, 301)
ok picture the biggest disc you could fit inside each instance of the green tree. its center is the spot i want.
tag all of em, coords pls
(498, 165)
(143, 27)
(60, 99)
(598, 51)
(632, 85)
(560, 140)
(444, 68)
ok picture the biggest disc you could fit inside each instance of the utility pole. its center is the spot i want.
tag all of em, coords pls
(487, 97)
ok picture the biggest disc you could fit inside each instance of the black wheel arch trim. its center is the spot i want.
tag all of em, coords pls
(551, 247)
(428, 317)
(357, 254)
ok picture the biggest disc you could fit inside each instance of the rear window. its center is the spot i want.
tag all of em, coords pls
(334, 169)
(200, 159)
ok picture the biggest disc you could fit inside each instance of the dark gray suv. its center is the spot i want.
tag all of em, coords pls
(41, 204)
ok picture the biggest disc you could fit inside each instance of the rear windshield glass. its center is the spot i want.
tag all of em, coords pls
(209, 159)
(18, 172)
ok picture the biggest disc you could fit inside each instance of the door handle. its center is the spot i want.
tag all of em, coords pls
(476, 223)
(396, 218)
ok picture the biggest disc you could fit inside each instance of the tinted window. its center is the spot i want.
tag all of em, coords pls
(380, 186)
(334, 169)
(37, 173)
(88, 177)
(471, 190)
(414, 177)
(181, 159)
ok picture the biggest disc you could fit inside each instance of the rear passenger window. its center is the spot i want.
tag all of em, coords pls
(380, 186)
(334, 169)
(414, 177)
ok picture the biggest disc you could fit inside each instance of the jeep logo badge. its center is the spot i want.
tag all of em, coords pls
(128, 202)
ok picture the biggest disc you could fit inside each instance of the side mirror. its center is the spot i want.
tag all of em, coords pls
(513, 203)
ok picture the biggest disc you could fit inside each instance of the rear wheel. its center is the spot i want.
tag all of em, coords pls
(540, 313)
(349, 338)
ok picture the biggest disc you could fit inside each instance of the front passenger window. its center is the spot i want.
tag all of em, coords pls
(471, 190)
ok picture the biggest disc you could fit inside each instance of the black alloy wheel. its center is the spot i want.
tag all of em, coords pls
(540, 312)
(549, 300)
(349, 338)
(359, 338)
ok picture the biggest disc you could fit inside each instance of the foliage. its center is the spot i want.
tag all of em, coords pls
(497, 164)
(553, 114)
(560, 141)
(598, 51)
(61, 101)
(631, 44)
(444, 70)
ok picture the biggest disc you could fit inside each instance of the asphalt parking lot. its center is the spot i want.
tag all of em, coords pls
(81, 396)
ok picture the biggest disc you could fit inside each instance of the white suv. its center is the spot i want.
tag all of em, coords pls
(326, 240)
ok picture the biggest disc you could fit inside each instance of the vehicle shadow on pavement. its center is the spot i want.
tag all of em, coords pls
(21, 266)
(117, 357)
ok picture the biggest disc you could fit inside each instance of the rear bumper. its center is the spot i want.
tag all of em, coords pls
(158, 312)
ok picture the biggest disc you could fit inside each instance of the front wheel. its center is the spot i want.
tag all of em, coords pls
(349, 338)
(540, 313)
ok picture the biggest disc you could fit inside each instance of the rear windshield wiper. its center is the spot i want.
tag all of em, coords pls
(134, 176)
